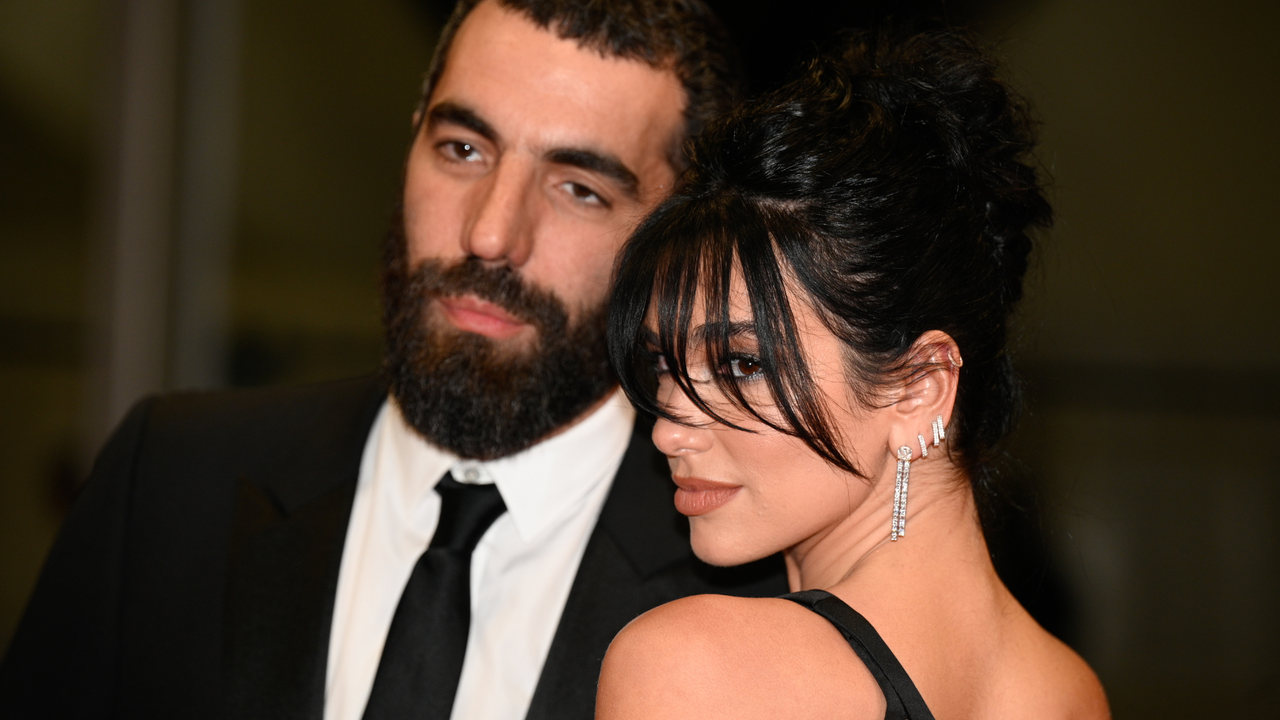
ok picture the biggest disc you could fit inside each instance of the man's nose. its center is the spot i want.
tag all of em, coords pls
(503, 216)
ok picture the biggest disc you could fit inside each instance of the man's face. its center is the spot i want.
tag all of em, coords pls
(535, 160)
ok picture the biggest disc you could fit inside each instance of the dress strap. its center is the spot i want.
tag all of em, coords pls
(902, 697)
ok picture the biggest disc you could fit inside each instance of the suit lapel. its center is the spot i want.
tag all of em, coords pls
(637, 537)
(290, 526)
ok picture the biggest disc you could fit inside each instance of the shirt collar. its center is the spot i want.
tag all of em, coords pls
(540, 485)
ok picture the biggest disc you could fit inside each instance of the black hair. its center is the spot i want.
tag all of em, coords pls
(684, 36)
(890, 185)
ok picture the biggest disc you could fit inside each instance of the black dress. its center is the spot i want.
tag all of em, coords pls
(900, 693)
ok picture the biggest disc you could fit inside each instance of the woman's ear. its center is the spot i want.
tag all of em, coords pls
(929, 383)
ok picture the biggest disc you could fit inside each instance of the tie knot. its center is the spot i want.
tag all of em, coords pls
(466, 512)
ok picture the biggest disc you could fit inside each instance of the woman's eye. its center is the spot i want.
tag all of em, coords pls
(660, 365)
(742, 367)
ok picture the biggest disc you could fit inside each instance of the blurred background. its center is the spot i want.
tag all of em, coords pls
(193, 195)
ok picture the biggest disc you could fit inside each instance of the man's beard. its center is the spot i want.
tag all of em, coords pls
(464, 392)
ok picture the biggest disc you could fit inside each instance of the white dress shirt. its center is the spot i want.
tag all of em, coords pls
(521, 571)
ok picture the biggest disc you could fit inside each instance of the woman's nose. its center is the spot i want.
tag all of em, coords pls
(679, 438)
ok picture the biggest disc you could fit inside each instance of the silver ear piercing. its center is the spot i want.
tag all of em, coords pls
(939, 432)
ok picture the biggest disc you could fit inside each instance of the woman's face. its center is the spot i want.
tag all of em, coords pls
(751, 494)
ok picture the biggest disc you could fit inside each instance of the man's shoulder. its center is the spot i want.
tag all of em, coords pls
(318, 402)
(251, 433)
(258, 414)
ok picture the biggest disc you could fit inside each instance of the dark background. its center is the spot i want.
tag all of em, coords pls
(193, 194)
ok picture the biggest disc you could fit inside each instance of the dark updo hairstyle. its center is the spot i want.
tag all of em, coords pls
(891, 184)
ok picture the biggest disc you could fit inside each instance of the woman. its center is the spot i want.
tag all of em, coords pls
(819, 320)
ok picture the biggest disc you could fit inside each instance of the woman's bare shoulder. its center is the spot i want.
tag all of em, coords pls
(711, 656)
(1056, 682)
(1082, 696)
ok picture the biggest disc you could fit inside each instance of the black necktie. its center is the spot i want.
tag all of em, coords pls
(422, 659)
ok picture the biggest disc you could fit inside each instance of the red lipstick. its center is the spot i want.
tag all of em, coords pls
(697, 496)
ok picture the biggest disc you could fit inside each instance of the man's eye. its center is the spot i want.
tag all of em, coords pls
(583, 194)
(460, 151)
(745, 367)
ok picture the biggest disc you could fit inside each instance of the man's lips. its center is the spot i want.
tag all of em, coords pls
(471, 314)
(698, 496)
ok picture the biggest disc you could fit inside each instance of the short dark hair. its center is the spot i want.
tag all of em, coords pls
(890, 184)
(684, 36)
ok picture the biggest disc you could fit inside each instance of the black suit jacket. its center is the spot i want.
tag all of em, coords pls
(195, 575)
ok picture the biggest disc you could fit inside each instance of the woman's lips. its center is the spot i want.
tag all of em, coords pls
(696, 496)
(471, 314)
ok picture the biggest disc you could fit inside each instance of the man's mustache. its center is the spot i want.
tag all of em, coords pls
(498, 284)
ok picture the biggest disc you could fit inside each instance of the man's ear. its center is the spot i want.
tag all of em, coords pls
(929, 383)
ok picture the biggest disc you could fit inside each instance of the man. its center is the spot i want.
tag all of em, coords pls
(261, 554)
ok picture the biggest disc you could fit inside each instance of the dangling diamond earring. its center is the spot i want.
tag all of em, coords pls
(899, 527)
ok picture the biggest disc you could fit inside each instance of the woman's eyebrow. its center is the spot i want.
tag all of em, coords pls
(701, 334)
(742, 329)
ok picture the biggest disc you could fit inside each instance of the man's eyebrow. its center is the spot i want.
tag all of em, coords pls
(455, 114)
(607, 165)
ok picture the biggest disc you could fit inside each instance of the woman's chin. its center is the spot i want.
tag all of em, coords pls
(716, 551)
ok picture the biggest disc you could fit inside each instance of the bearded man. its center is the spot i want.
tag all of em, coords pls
(463, 535)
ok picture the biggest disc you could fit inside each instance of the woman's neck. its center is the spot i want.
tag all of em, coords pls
(942, 529)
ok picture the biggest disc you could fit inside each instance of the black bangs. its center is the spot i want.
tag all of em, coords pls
(678, 269)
